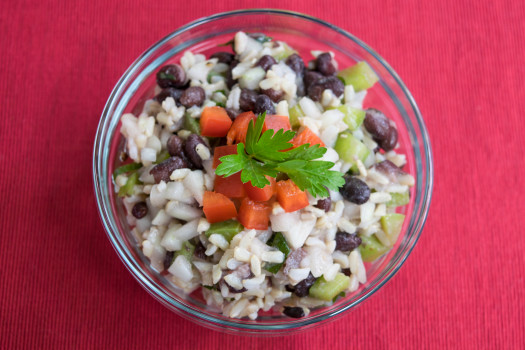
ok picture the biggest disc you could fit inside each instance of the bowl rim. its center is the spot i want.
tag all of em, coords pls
(106, 213)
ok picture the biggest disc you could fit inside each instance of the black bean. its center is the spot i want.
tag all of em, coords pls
(264, 104)
(171, 75)
(355, 190)
(200, 251)
(274, 95)
(377, 124)
(232, 113)
(247, 100)
(316, 88)
(324, 64)
(169, 92)
(175, 146)
(193, 96)
(169, 259)
(347, 272)
(234, 290)
(162, 171)
(324, 204)
(315, 91)
(346, 242)
(301, 289)
(229, 79)
(191, 144)
(390, 141)
(139, 210)
(333, 83)
(294, 312)
(224, 57)
(388, 168)
(311, 77)
(266, 62)
(295, 62)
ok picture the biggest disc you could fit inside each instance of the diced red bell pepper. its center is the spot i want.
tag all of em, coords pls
(306, 135)
(215, 122)
(231, 186)
(290, 197)
(239, 128)
(222, 151)
(276, 122)
(254, 215)
(260, 194)
(217, 207)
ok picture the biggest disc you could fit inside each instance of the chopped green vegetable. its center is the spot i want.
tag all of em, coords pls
(288, 51)
(211, 287)
(212, 74)
(220, 104)
(127, 189)
(361, 76)
(350, 148)
(251, 78)
(187, 251)
(295, 113)
(371, 248)
(228, 43)
(162, 157)
(269, 154)
(391, 225)
(260, 37)
(327, 291)
(353, 116)
(278, 241)
(192, 124)
(398, 199)
(340, 295)
(126, 169)
(228, 229)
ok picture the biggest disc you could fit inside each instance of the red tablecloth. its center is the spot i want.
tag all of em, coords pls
(63, 286)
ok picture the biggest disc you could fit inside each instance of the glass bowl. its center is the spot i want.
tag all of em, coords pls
(303, 33)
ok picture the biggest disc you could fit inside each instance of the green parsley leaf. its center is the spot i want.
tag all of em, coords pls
(251, 170)
(313, 176)
(271, 153)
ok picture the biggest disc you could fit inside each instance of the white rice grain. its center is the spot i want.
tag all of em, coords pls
(273, 256)
(356, 266)
(219, 241)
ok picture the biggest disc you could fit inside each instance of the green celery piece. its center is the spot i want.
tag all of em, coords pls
(220, 104)
(391, 225)
(353, 116)
(278, 241)
(398, 199)
(348, 147)
(192, 124)
(361, 76)
(288, 51)
(127, 189)
(187, 251)
(295, 112)
(371, 248)
(211, 74)
(162, 157)
(228, 229)
(327, 291)
(126, 169)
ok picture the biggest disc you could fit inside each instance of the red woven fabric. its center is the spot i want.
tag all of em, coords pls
(63, 286)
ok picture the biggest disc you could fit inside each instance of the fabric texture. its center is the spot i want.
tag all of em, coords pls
(62, 284)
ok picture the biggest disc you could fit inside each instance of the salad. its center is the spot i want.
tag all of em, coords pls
(260, 181)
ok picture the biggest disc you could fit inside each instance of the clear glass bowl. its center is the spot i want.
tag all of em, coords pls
(303, 33)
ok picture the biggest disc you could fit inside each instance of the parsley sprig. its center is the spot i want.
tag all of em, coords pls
(268, 153)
